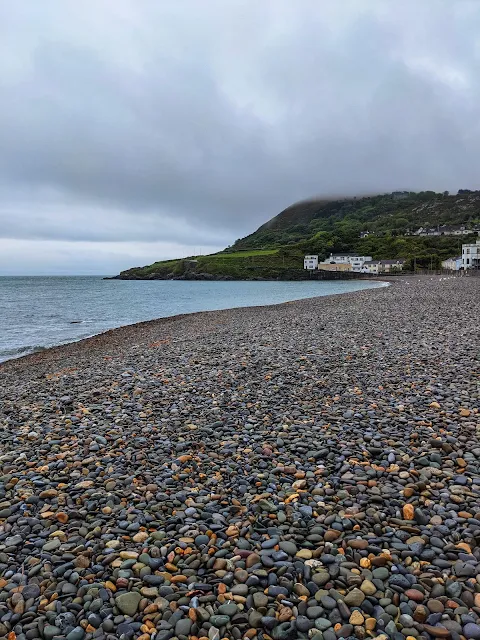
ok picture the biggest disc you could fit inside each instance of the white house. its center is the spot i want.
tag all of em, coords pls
(452, 264)
(348, 258)
(310, 262)
(471, 255)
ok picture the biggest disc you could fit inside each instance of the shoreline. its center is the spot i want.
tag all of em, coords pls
(45, 350)
(302, 471)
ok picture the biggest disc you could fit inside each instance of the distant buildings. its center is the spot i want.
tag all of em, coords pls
(471, 255)
(353, 259)
(383, 266)
(452, 264)
(310, 262)
(353, 262)
(445, 230)
(372, 266)
(340, 266)
(470, 259)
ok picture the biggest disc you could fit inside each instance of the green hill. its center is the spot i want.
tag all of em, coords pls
(324, 226)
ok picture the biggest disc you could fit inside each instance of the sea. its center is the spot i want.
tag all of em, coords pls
(40, 312)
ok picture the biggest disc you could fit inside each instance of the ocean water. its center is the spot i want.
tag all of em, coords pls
(40, 312)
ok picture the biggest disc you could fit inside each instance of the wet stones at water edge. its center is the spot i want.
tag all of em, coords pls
(232, 485)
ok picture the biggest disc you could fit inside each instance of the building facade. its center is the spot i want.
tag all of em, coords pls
(383, 266)
(352, 259)
(471, 255)
(324, 266)
(310, 262)
(446, 230)
(392, 265)
(452, 264)
(371, 266)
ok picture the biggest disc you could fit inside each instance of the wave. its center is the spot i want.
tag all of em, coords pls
(24, 350)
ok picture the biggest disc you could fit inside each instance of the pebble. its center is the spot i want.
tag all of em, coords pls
(471, 630)
(354, 598)
(368, 588)
(128, 603)
(246, 474)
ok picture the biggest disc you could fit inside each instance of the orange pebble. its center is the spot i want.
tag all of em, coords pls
(179, 579)
(408, 511)
(62, 517)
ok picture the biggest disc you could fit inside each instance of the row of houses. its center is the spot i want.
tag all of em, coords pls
(440, 230)
(353, 262)
(470, 258)
(445, 230)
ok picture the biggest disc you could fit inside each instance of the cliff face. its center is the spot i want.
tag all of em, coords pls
(382, 226)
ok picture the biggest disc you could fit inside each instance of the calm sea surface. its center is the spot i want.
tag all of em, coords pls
(40, 312)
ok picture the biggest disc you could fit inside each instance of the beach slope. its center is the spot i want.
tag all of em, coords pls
(306, 470)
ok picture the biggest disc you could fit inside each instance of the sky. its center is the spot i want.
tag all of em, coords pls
(136, 130)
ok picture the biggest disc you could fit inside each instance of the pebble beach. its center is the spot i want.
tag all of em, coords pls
(304, 470)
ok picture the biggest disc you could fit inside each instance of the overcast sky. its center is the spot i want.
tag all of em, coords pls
(136, 130)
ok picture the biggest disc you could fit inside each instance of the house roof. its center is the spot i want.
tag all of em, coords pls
(453, 227)
(344, 253)
(397, 261)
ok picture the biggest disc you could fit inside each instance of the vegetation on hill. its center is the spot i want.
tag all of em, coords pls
(242, 265)
(322, 226)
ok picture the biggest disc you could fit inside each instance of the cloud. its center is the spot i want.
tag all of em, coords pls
(52, 257)
(184, 123)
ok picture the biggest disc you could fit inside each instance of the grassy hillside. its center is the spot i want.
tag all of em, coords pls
(345, 219)
(239, 265)
(322, 226)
